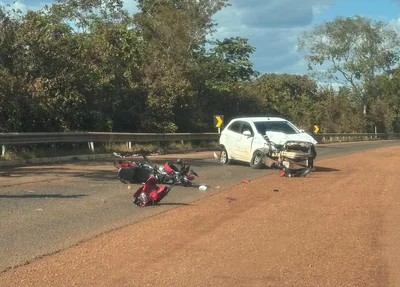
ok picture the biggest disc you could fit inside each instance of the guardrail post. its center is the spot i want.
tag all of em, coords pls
(129, 145)
(91, 146)
(3, 150)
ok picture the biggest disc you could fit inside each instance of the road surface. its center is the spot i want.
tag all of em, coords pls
(45, 209)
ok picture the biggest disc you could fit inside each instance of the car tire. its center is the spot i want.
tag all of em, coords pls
(257, 160)
(224, 158)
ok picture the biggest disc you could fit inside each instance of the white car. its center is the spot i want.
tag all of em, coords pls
(266, 140)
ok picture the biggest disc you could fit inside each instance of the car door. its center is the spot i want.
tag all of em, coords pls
(245, 142)
(231, 137)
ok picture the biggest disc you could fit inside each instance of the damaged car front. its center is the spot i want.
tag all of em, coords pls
(286, 147)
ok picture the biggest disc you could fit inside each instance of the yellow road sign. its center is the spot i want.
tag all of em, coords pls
(219, 119)
(316, 129)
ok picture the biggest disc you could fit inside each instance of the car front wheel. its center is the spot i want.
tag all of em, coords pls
(257, 160)
(223, 158)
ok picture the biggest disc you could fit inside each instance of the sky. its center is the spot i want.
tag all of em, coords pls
(273, 26)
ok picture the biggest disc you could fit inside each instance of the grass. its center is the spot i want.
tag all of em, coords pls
(56, 150)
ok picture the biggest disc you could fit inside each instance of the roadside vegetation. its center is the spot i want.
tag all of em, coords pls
(91, 66)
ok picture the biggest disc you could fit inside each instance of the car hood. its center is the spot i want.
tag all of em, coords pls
(281, 138)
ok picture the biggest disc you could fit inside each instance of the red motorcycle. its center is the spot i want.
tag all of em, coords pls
(150, 193)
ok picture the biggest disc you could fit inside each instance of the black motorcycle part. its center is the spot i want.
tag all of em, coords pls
(134, 174)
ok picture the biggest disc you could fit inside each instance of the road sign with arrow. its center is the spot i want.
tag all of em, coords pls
(218, 121)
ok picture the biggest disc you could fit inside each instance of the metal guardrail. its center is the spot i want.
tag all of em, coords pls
(341, 137)
(81, 137)
(96, 137)
(92, 137)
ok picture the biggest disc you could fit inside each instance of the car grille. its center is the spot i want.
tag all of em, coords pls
(304, 147)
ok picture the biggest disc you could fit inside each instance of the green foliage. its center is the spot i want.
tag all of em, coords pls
(88, 65)
(354, 47)
(288, 96)
(335, 112)
(228, 64)
(354, 50)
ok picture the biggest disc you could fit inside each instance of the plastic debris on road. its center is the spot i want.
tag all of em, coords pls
(202, 187)
(230, 199)
(245, 181)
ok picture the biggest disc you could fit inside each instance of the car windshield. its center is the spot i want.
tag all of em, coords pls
(275, 126)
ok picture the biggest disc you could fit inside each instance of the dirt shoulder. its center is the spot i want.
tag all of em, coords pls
(336, 227)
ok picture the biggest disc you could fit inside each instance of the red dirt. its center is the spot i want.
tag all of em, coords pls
(336, 227)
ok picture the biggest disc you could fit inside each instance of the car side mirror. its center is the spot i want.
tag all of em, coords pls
(247, 133)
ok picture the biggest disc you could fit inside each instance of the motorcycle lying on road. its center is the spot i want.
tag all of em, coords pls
(134, 172)
(151, 193)
(292, 158)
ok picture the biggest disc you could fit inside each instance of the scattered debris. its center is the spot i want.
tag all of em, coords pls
(217, 187)
(297, 173)
(159, 152)
(216, 156)
(276, 190)
(125, 155)
(245, 181)
(230, 199)
(38, 209)
(202, 187)
(129, 187)
(30, 191)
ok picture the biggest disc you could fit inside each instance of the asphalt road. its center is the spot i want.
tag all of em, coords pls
(44, 209)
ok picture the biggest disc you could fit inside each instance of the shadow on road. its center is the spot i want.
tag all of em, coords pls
(42, 196)
(325, 169)
(98, 175)
(172, 203)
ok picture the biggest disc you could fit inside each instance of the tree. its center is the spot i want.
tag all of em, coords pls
(173, 30)
(289, 96)
(228, 64)
(334, 112)
(354, 50)
(385, 108)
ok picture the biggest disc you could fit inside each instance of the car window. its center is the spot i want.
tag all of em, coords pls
(247, 127)
(235, 127)
(275, 126)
